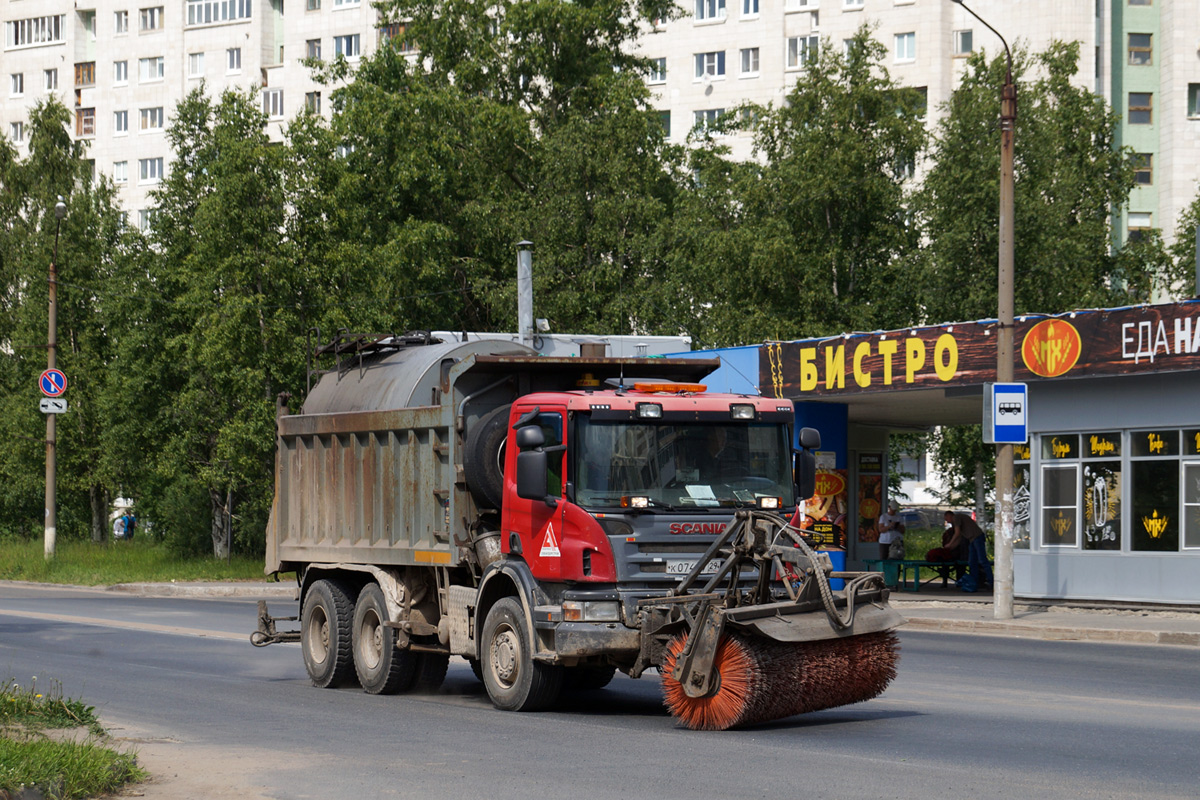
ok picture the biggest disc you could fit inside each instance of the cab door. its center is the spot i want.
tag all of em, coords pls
(535, 527)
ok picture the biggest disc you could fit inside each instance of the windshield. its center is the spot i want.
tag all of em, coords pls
(681, 465)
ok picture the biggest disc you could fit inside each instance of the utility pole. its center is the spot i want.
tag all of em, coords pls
(1003, 573)
(60, 211)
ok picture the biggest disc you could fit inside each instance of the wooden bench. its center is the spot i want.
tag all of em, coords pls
(906, 574)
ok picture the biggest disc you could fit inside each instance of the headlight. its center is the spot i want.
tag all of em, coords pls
(770, 503)
(591, 611)
(649, 411)
(741, 411)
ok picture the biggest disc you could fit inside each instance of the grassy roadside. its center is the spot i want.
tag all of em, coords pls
(77, 765)
(88, 564)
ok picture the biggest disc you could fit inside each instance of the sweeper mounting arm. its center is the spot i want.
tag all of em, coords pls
(765, 542)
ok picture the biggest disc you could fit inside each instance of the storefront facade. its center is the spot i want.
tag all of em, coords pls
(1108, 485)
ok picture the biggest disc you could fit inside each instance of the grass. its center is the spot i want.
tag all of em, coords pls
(88, 564)
(59, 768)
(919, 541)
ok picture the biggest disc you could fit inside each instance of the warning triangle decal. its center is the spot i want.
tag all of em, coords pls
(550, 544)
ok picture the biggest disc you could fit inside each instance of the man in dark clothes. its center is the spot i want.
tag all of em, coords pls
(966, 530)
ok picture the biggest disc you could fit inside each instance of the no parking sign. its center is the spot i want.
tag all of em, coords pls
(53, 383)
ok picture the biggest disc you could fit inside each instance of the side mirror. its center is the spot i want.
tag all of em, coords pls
(810, 438)
(531, 472)
(805, 473)
(530, 437)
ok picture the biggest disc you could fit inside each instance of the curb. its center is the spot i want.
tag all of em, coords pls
(272, 591)
(1053, 632)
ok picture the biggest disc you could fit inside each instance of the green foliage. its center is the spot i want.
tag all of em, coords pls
(48, 708)
(139, 561)
(813, 238)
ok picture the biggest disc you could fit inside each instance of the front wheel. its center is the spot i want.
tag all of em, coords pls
(514, 681)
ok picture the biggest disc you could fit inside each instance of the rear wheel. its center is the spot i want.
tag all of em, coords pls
(382, 668)
(514, 681)
(325, 636)
(430, 672)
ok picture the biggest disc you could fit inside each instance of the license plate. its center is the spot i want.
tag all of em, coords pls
(684, 567)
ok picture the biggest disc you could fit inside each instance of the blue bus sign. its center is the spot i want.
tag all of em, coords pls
(1005, 413)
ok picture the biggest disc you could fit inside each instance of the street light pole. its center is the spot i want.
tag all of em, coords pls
(1003, 577)
(60, 211)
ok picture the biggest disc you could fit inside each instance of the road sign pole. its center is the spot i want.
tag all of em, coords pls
(60, 211)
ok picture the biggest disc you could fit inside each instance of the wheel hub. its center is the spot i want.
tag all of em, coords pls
(504, 656)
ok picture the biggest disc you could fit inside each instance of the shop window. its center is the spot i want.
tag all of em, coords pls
(1022, 499)
(1191, 501)
(1102, 491)
(1060, 490)
(1154, 491)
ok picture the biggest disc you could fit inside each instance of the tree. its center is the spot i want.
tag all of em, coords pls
(88, 249)
(813, 236)
(1069, 178)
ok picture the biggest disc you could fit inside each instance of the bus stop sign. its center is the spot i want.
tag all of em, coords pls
(1005, 413)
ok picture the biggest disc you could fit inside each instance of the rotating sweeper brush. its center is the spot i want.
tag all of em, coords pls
(732, 656)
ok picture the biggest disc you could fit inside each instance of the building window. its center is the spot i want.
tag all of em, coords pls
(906, 46)
(120, 22)
(85, 74)
(312, 102)
(120, 72)
(341, 3)
(16, 84)
(16, 132)
(120, 172)
(85, 122)
(1143, 169)
(658, 70)
(665, 118)
(150, 69)
(749, 8)
(312, 5)
(1060, 490)
(964, 42)
(347, 46)
(36, 30)
(708, 117)
(1139, 223)
(273, 103)
(206, 12)
(1191, 492)
(801, 50)
(233, 59)
(750, 61)
(1140, 2)
(120, 122)
(1140, 50)
(195, 65)
(710, 65)
(1193, 100)
(150, 170)
(1154, 491)
(145, 219)
(50, 79)
(852, 5)
(312, 49)
(151, 19)
(1141, 108)
(710, 10)
(150, 119)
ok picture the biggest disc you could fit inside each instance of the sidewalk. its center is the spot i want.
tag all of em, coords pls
(952, 611)
(932, 609)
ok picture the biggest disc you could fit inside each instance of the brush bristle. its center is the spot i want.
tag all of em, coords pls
(762, 679)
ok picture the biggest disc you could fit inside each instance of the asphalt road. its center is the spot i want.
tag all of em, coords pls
(968, 717)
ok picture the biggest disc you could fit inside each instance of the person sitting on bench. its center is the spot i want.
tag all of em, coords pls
(891, 533)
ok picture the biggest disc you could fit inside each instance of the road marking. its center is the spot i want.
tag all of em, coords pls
(148, 627)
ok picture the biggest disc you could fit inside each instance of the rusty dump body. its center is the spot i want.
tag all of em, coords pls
(553, 520)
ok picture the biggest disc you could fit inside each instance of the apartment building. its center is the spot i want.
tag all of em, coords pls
(122, 65)
(1142, 56)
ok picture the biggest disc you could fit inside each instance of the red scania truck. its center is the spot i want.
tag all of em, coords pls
(553, 520)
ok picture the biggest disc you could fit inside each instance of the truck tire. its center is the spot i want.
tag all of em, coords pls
(514, 681)
(325, 634)
(483, 458)
(431, 672)
(382, 668)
